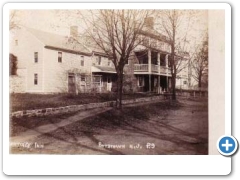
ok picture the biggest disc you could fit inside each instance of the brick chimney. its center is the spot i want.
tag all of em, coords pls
(73, 31)
(149, 22)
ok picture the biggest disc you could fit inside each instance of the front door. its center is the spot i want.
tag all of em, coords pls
(71, 83)
(109, 84)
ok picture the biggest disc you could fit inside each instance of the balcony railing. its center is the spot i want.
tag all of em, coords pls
(141, 67)
(154, 68)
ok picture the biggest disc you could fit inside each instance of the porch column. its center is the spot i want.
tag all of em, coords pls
(76, 83)
(159, 72)
(166, 61)
(149, 69)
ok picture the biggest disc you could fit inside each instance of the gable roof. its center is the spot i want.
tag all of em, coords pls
(154, 34)
(149, 32)
(80, 45)
(91, 44)
(59, 42)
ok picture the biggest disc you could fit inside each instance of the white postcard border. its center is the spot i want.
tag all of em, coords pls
(111, 164)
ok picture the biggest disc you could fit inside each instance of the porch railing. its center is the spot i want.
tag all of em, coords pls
(141, 67)
(154, 68)
(163, 70)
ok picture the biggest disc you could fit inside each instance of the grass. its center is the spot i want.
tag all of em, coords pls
(19, 125)
(112, 120)
(28, 101)
(109, 120)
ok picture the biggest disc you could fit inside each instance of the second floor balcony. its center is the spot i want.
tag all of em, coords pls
(152, 69)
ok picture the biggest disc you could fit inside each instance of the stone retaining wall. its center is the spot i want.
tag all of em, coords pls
(75, 108)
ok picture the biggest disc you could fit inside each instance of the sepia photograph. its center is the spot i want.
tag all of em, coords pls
(109, 81)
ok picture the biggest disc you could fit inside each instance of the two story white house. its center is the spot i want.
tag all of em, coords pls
(48, 62)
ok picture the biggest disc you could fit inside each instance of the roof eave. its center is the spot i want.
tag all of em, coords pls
(67, 50)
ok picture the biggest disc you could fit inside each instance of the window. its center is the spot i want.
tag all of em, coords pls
(35, 57)
(16, 42)
(82, 60)
(109, 62)
(83, 78)
(109, 79)
(140, 81)
(139, 39)
(97, 80)
(146, 41)
(161, 45)
(153, 43)
(127, 61)
(35, 79)
(59, 57)
(184, 82)
(167, 48)
(99, 59)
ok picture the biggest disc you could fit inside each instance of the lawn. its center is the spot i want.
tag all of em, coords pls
(22, 124)
(28, 101)
(110, 120)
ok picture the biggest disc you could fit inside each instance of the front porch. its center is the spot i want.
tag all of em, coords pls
(103, 79)
(153, 83)
(103, 82)
(153, 71)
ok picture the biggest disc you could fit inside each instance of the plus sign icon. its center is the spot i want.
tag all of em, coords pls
(227, 145)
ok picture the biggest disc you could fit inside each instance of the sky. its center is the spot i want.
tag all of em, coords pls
(59, 21)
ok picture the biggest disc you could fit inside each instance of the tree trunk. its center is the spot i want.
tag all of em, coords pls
(200, 84)
(173, 66)
(200, 81)
(174, 86)
(119, 90)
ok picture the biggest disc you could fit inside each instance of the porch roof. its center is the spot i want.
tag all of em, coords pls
(103, 69)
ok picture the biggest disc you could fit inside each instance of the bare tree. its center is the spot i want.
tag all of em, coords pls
(116, 33)
(199, 62)
(13, 22)
(175, 24)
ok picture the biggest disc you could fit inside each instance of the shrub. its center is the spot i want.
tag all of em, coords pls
(13, 64)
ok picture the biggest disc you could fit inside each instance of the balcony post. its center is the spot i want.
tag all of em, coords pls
(149, 69)
(166, 61)
(159, 71)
